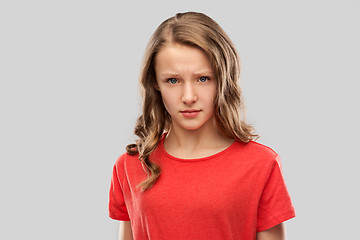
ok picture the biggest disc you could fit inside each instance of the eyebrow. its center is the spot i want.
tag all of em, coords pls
(205, 72)
(174, 74)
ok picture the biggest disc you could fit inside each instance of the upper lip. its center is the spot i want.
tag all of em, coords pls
(190, 110)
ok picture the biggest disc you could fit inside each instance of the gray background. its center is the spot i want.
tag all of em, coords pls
(69, 100)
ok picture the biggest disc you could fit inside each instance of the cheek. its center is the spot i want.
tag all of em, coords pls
(209, 95)
(168, 101)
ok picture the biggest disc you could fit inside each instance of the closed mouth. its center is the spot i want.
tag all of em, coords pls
(190, 111)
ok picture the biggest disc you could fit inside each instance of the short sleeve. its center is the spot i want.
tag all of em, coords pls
(117, 206)
(275, 205)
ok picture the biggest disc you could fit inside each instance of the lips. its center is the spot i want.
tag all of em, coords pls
(190, 113)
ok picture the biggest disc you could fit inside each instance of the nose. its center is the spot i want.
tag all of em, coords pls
(189, 95)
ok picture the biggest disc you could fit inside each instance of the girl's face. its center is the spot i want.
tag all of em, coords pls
(185, 78)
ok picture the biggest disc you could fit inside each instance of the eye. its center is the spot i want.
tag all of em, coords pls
(172, 80)
(203, 79)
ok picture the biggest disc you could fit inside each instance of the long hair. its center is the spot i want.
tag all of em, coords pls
(200, 31)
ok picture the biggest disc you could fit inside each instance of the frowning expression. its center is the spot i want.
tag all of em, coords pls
(186, 81)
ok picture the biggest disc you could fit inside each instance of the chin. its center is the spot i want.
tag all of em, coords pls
(192, 127)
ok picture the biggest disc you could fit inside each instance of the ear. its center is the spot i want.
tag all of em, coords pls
(156, 86)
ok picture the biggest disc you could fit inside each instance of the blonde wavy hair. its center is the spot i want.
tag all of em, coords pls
(200, 31)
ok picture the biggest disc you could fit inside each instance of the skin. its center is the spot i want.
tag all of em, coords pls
(185, 79)
(274, 233)
(125, 231)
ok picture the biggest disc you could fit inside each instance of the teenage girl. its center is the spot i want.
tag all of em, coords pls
(195, 172)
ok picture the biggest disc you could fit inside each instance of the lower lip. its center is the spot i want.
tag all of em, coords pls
(190, 114)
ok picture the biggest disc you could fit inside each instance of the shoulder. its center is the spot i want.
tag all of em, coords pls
(261, 149)
(255, 148)
(256, 152)
(126, 159)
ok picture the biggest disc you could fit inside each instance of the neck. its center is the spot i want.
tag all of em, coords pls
(185, 142)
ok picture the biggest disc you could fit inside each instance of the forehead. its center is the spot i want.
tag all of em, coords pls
(181, 58)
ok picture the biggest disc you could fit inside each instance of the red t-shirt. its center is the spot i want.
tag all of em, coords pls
(230, 195)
